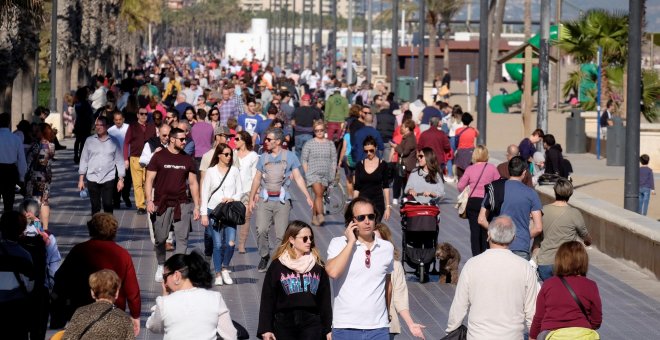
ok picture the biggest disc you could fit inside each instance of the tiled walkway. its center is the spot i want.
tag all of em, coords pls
(628, 314)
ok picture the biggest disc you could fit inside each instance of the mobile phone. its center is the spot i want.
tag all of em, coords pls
(355, 232)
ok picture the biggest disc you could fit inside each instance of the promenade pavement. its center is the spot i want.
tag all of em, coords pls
(628, 312)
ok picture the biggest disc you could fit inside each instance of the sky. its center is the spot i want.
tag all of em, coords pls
(571, 10)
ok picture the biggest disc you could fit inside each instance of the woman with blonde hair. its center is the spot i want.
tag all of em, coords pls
(295, 299)
(399, 301)
(476, 176)
(319, 160)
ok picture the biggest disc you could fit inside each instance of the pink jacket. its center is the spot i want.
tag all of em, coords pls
(471, 176)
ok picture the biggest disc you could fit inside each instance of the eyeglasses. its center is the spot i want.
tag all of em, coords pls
(307, 238)
(370, 150)
(361, 218)
(367, 260)
(226, 154)
(420, 156)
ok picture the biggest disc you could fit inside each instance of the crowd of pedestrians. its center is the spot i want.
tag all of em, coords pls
(196, 135)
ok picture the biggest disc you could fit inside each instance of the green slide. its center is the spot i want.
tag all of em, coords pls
(501, 103)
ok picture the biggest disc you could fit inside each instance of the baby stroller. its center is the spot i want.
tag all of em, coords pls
(419, 225)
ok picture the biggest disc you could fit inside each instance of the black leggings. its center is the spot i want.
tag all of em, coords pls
(297, 324)
(399, 185)
(478, 235)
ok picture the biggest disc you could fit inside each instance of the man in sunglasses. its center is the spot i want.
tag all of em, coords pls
(171, 173)
(360, 265)
(275, 169)
(137, 135)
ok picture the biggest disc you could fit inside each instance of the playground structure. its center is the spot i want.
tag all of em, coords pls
(515, 63)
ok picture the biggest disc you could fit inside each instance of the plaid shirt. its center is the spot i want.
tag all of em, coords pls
(231, 108)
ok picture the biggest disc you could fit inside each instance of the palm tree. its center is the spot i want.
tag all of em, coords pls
(582, 37)
(447, 10)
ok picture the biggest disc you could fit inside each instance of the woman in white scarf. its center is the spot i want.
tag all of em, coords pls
(295, 299)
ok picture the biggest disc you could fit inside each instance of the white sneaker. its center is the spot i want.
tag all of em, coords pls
(159, 273)
(449, 179)
(395, 202)
(218, 280)
(226, 277)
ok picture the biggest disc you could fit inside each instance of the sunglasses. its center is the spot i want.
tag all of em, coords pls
(420, 156)
(268, 139)
(142, 113)
(166, 275)
(367, 260)
(237, 139)
(366, 112)
(308, 238)
(226, 154)
(182, 140)
(361, 218)
(370, 150)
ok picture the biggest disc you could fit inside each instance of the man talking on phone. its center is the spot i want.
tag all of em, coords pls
(360, 265)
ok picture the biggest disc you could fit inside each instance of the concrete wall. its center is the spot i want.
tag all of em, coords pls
(617, 232)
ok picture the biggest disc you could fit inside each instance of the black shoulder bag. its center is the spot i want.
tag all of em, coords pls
(95, 321)
(232, 213)
(570, 290)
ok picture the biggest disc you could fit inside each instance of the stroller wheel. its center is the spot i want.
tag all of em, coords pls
(423, 275)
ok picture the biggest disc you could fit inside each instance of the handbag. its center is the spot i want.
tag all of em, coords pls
(241, 332)
(461, 201)
(459, 333)
(232, 213)
(444, 90)
(400, 168)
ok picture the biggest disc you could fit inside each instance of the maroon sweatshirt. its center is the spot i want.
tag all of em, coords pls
(556, 308)
(89, 257)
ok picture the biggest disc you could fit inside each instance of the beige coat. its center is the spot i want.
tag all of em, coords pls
(399, 296)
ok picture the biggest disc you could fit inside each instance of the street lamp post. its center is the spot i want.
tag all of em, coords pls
(422, 32)
(370, 39)
(483, 71)
(302, 34)
(349, 57)
(319, 64)
(394, 56)
(53, 58)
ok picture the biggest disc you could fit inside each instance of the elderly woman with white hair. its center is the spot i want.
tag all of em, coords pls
(538, 166)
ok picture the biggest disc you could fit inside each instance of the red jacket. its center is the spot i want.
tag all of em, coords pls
(436, 140)
(89, 257)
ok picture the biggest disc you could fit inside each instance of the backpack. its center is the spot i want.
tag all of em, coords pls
(274, 174)
(494, 197)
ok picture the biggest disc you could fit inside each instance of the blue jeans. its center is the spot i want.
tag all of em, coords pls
(545, 271)
(450, 162)
(361, 334)
(644, 197)
(300, 142)
(224, 242)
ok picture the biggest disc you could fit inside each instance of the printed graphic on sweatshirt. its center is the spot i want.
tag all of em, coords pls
(300, 283)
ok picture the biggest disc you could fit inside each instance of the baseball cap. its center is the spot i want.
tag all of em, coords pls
(222, 130)
(306, 97)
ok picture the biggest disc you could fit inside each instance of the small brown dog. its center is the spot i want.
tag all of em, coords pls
(449, 259)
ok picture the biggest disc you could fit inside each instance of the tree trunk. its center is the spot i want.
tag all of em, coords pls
(17, 95)
(433, 33)
(61, 86)
(28, 87)
(445, 53)
(495, 43)
(74, 66)
(5, 100)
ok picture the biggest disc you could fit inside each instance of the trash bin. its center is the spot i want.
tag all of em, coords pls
(576, 138)
(616, 143)
(406, 88)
